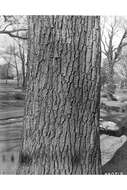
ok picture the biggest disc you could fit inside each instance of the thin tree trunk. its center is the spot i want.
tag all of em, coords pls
(17, 71)
(8, 64)
(110, 86)
(23, 75)
(61, 127)
(22, 56)
(109, 67)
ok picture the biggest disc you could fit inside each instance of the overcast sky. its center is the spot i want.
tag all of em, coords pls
(5, 40)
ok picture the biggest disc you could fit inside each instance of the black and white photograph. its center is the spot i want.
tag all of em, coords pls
(63, 95)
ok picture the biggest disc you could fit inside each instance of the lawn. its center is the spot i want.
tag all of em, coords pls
(11, 125)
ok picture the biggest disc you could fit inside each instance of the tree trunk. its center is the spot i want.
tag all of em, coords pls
(110, 85)
(7, 72)
(23, 75)
(61, 125)
(17, 71)
(22, 57)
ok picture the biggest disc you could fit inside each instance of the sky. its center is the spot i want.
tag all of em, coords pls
(5, 40)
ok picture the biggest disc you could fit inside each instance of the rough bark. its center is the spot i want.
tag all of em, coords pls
(61, 127)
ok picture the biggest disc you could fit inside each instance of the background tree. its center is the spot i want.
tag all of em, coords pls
(121, 69)
(11, 52)
(110, 49)
(22, 54)
(103, 77)
(18, 54)
(6, 72)
(6, 69)
(16, 28)
(61, 124)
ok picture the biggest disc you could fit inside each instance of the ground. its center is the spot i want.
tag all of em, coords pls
(113, 149)
(11, 125)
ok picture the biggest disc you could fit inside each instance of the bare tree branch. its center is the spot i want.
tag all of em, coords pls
(6, 26)
(104, 47)
(106, 43)
(16, 27)
(120, 46)
(17, 30)
(13, 35)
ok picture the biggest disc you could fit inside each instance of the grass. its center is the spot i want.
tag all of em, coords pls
(11, 125)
